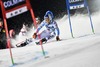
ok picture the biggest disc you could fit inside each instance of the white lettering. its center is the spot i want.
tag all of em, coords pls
(10, 3)
(5, 4)
(72, 1)
(16, 12)
(14, 1)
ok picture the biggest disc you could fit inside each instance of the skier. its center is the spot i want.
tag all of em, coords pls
(48, 27)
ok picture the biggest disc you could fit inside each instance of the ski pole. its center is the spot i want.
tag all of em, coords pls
(41, 45)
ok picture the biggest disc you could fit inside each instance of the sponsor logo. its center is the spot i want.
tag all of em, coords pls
(10, 3)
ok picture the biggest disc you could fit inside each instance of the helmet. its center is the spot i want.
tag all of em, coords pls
(49, 15)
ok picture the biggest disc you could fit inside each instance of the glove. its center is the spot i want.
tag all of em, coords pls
(34, 35)
(57, 38)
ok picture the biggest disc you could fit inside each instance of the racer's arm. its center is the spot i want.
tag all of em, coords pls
(57, 32)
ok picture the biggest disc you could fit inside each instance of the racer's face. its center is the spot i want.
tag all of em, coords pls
(47, 20)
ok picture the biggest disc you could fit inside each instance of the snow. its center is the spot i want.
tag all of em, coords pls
(81, 51)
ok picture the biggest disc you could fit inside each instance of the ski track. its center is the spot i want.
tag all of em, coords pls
(66, 50)
(67, 54)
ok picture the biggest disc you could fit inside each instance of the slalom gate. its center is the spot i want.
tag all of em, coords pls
(77, 4)
(14, 11)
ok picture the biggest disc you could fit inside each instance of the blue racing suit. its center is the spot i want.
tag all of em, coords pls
(50, 30)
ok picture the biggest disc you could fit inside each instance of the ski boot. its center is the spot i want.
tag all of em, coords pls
(42, 40)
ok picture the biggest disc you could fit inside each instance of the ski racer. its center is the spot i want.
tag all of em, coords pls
(49, 29)
(46, 30)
